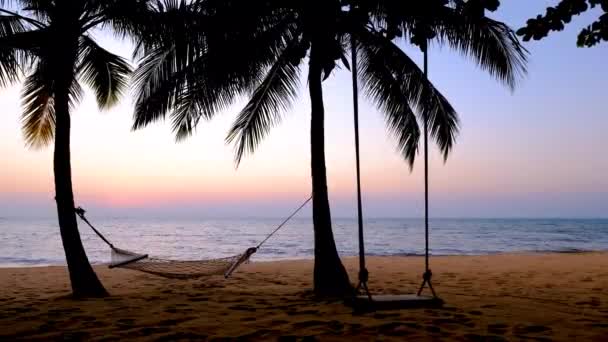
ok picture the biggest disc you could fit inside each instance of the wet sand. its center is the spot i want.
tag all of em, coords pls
(536, 297)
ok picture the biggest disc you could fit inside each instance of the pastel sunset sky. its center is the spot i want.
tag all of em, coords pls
(539, 151)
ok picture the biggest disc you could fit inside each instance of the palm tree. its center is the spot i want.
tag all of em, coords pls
(198, 60)
(50, 43)
(463, 26)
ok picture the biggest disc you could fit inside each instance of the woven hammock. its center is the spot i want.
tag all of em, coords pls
(178, 269)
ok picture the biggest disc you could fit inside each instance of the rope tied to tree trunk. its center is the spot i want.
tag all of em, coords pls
(81, 213)
(181, 269)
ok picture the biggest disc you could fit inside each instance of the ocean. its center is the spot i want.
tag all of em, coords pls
(36, 242)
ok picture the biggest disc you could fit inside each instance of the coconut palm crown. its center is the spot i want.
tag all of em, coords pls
(201, 56)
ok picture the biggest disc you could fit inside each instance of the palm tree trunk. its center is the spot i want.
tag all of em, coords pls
(330, 277)
(83, 279)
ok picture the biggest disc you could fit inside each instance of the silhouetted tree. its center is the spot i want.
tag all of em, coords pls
(462, 25)
(557, 17)
(49, 43)
(198, 58)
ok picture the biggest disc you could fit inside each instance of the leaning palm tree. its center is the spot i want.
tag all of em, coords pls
(198, 60)
(49, 42)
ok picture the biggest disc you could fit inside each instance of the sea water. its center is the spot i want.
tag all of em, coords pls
(36, 242)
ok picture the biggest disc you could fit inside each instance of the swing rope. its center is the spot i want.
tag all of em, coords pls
(426, 277)
(363, 273)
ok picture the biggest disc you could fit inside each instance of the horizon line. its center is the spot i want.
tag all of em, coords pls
(244, 217)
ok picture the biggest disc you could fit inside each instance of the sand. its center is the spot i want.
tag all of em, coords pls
(537, 297)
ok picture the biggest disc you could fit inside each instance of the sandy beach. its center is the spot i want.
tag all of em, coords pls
(537, 297)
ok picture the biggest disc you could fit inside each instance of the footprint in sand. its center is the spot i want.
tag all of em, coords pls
(498, 328)
(303, 312)
(292, 338)
(311, 323)
(385, 315)
(198, 299)
(75, 336)
(96, 324)
(433, 329)
(595, 302)
(27, 309)
(182, 336)
(530, 329)
(260, 335)
(46, 327)
(445, 321)
(148, 331)
(242, 308)
(336, 326)
(482, 338)
(354, 327)
(394, 329)
(464, 320)
(125, 322)
(172, 322)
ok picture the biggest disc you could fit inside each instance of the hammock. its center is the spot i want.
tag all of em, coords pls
(180, 269)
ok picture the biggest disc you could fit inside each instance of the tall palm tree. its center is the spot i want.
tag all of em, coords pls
(199, 59)
(203, 55)
(463, 26)
(49, 42)
(388, 71)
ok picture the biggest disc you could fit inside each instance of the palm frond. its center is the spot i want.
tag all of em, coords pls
(186, 115)
(126, 18)
(384, 88)
(156, 81)
(263, 111)
(106, 73)
(9, 66)
(12, 59)
(169, 44)
(197, 72)
(492, 44)
(10, 24)
(38, 118)
(419, 92)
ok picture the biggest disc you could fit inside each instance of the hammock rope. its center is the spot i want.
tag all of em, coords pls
(180, 269)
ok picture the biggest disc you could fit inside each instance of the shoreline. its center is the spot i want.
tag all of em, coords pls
(310, 258)
(555, 296)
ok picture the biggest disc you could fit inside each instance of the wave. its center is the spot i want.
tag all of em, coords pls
(17, 262)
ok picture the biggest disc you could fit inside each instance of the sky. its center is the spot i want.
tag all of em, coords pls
(537, 151)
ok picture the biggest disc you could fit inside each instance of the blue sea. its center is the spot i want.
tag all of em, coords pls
(36, 242)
